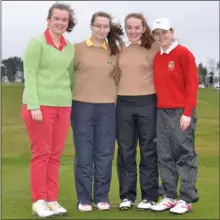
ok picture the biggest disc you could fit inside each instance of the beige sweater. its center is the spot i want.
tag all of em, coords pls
(94, 81)
(136, 65)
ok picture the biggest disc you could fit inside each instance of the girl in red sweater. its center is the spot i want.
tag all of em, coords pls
(176, 84)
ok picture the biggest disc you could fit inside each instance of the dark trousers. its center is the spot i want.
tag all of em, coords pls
(176, 155)
(94, 139)
(136, 120)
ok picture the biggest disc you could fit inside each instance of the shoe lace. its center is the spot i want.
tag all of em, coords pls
(57, 204)
(181, 203)
(84, 205)
(103, 203)
(145, 201)
(164, 199)
(44, 205)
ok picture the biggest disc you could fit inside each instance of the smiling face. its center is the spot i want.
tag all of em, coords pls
(163, 37)
(100, 27)
(58, 22)
(134, 29)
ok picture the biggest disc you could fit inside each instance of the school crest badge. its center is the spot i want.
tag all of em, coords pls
(148, 60)
(145, 59)
(109, 61)
(171, 65)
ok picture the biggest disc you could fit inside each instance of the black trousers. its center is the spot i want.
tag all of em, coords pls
(136, 120)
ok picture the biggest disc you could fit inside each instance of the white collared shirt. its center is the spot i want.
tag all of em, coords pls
(128, 43)
(173, 46)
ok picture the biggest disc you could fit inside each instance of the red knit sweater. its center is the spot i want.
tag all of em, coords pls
(176, 80)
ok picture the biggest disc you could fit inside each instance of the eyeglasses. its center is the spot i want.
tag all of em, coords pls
(99, 26)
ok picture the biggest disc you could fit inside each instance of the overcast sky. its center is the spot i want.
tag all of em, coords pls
(196, 23)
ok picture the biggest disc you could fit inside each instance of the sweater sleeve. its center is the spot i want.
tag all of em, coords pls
(31, 61)
(71, 70)
(190, 73)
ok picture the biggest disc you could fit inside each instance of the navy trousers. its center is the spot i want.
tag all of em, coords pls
(94, 139)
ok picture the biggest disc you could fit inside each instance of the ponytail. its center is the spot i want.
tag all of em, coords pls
(147, 38)
(114, 38)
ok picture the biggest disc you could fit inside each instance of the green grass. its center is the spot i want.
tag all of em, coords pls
(16, 200)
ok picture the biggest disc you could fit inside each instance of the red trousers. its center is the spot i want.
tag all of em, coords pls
(47, 140)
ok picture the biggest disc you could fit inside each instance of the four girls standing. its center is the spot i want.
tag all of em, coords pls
(156, 99)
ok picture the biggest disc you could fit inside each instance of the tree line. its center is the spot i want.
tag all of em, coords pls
(12, 71)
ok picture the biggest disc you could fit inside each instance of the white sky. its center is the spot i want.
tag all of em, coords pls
(196, 22)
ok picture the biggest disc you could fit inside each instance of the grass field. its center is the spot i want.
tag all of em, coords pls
(16, 200)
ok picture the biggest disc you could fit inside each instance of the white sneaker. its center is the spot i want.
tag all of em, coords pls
(164, 204)
(181, 207)
(145, 205)
(41, 209)
(125, 204)
(84, 207)
(102, 206)
(56, 208)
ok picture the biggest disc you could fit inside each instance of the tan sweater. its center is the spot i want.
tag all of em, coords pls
(94, 80)
(136, 65)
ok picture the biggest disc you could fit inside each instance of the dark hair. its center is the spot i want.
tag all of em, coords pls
(115, 35)
(61, 6)
(146, 38)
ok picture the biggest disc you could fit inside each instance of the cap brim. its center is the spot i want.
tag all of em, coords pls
(161, 27)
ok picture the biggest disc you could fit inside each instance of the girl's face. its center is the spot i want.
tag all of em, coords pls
(134, 29)
(58, 23)
(100, 28)
(163, 37)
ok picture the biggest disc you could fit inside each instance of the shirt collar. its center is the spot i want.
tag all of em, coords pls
(173, 46)
(89, 43)
(49, 40)
(128, 43)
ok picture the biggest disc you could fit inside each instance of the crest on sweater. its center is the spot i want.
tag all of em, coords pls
(109, 61)
(171, 65)
(147, 60)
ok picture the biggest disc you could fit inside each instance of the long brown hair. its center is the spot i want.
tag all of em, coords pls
(146, 38)
(114, 36)
(62, 6)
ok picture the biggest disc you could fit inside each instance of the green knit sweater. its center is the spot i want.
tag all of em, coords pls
(48, 74)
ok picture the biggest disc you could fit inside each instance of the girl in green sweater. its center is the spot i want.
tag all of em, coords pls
(47, 98)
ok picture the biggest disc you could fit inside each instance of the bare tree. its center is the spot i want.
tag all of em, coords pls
(202, 71)
(211, 68)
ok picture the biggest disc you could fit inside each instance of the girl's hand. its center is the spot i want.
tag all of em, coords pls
(184, 122)
(37, 115)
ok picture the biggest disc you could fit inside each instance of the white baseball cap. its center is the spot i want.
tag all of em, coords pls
(162, 23)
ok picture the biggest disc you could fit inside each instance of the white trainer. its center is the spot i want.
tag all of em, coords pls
(181, 207)
(164, 204)
(125, 204)
(84, 207)
(41, 209)
(145, 205)
(56, 208)
(102, 206)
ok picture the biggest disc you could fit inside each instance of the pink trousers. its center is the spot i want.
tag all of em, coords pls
(47, 140)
